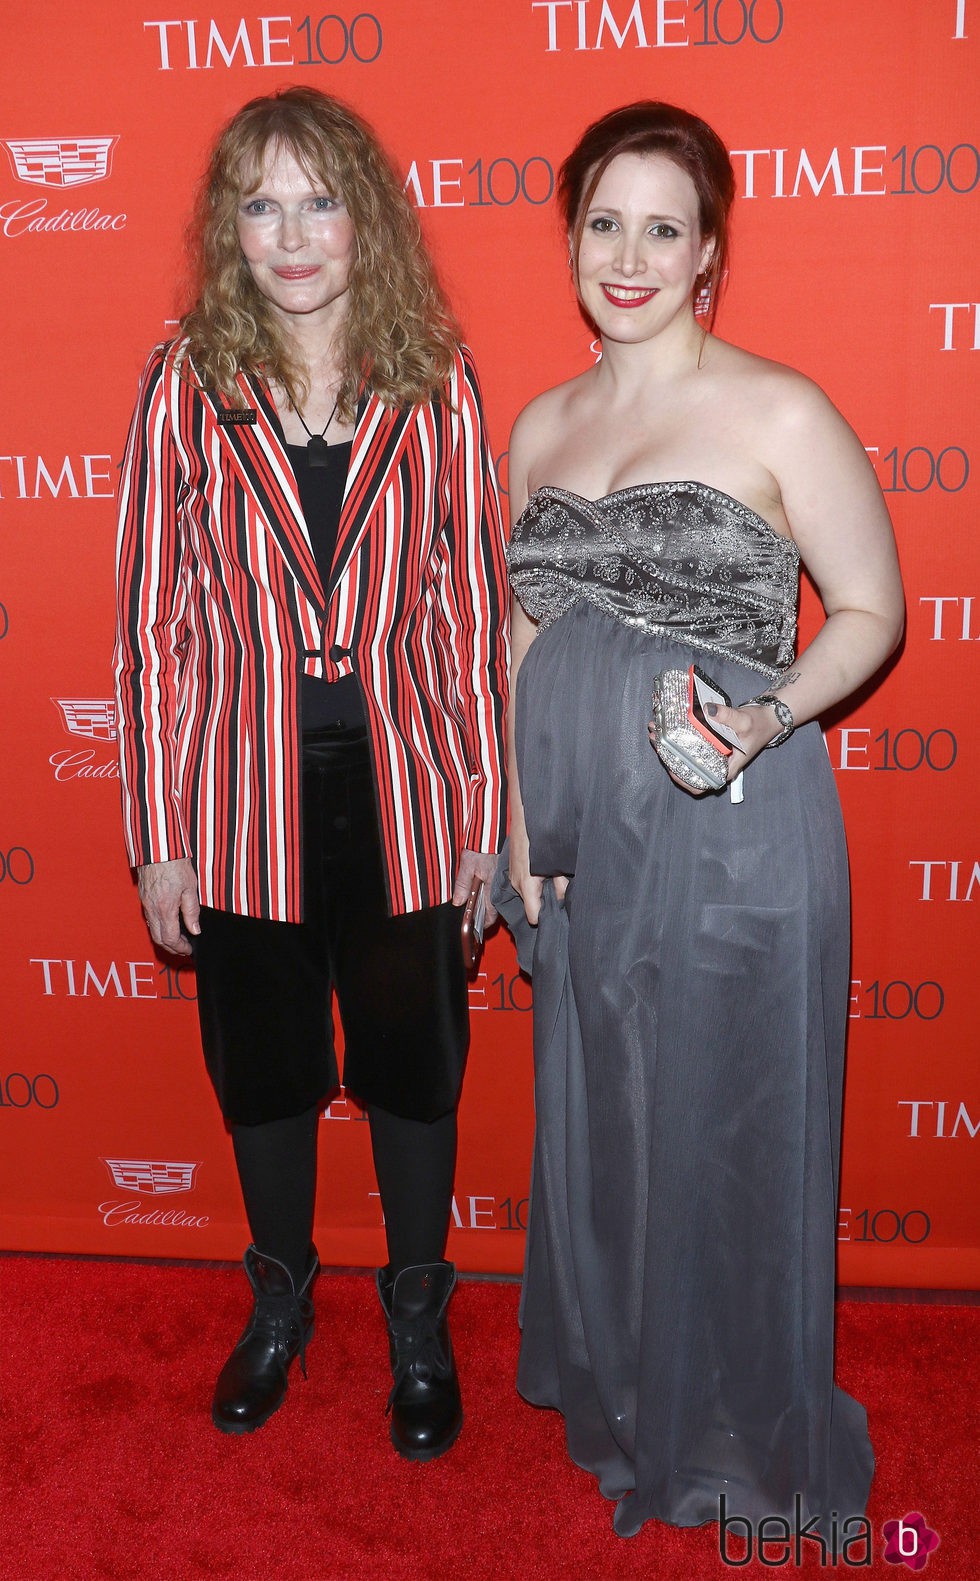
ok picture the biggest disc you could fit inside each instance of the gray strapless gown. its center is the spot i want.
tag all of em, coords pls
(689, 1014)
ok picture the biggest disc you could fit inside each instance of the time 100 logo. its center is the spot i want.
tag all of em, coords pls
(903, 751)
(18, 1091)
(895, 1001)
(884, 1225)
(918, 469)
(16, 866)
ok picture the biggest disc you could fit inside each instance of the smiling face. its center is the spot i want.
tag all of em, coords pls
(298, 241)
(641, 248)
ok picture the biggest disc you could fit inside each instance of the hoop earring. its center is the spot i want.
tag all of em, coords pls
(702, 298)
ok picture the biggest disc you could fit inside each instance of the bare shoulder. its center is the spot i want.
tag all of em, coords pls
(537, 421)
(776, 391)
(786, 419)
(536, 433)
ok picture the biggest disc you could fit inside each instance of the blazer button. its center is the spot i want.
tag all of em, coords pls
(337, 652)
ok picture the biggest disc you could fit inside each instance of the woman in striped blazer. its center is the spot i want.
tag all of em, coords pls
(310, 664)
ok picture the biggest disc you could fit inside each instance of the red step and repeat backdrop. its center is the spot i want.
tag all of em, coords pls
(854, 136)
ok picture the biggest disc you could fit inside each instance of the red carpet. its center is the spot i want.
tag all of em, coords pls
(110, 1467)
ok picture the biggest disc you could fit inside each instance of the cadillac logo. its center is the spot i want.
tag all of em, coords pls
(60, 161)
(156, 1177)
(92, 717)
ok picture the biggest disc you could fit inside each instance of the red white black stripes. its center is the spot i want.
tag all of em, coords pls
(221, 610)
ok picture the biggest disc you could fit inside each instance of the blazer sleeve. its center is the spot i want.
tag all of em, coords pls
(473, 607)
(150, 624)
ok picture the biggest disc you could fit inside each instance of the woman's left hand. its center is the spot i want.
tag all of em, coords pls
(475, 864)
(755, 728)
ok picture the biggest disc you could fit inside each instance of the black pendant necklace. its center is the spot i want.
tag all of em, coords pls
(317, 449)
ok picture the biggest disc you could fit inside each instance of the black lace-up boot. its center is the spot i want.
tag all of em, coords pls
(424, 1404)
(252, 1383)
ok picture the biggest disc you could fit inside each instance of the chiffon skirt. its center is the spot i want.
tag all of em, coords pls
(690, 1003)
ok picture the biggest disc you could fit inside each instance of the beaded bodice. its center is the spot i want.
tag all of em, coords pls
(680, 560)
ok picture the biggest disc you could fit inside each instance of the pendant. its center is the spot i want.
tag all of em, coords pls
(318, 451)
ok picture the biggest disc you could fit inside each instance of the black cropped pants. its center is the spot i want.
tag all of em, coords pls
(264, 988)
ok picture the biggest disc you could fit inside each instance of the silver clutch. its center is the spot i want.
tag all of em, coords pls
(683, 745)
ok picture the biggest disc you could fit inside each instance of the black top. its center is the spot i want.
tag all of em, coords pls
(321, 494)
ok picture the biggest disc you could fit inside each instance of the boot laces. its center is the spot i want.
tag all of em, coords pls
(418, 1351)
(285, 1318)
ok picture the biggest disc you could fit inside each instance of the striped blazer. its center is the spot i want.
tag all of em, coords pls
(221, 611)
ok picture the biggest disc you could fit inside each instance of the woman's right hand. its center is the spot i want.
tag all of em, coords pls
(530, 886)
(168, 892)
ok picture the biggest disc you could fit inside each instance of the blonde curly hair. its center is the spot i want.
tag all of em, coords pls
(399, 337)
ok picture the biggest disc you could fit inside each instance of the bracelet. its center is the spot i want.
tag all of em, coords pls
(783, 714)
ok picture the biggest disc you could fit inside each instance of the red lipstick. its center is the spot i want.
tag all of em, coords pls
(639, 299)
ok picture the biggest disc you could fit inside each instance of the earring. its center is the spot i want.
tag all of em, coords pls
(702, 297)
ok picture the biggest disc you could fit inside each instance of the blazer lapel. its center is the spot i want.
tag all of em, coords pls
(381, 436)
(263, 468)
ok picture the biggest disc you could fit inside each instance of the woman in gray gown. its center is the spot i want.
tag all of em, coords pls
(689, 952)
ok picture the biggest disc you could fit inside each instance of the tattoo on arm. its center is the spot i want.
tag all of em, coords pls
(788, 678)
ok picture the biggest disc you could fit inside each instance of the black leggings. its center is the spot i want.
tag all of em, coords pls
(415, 1162)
